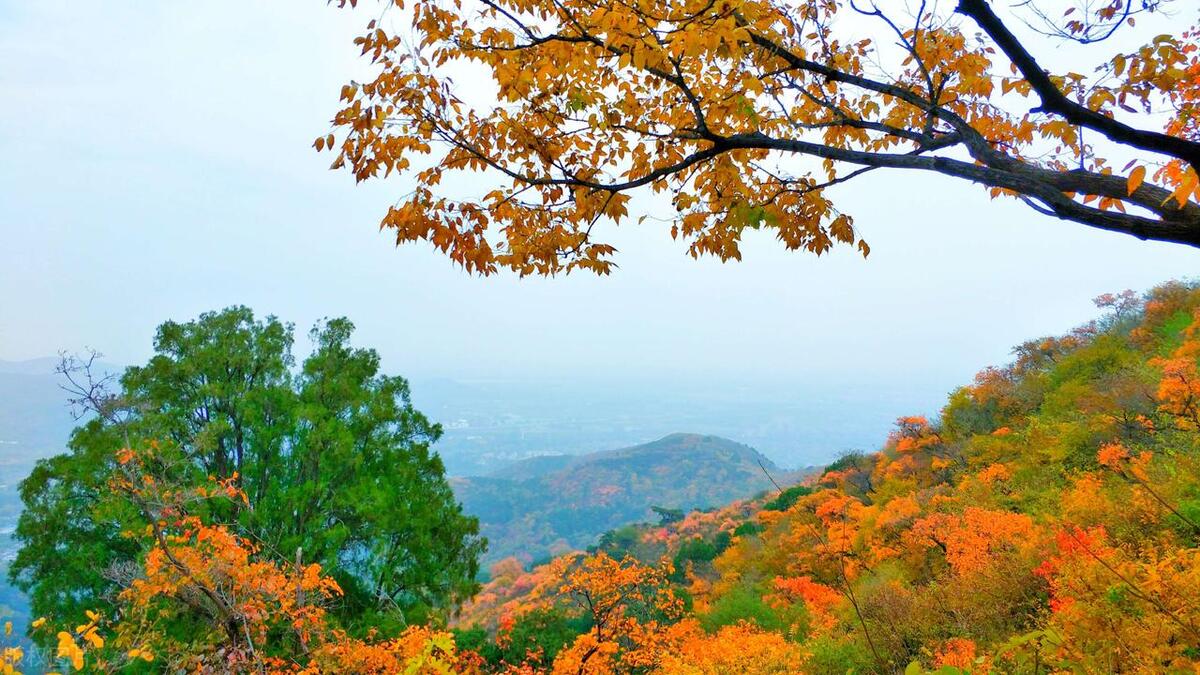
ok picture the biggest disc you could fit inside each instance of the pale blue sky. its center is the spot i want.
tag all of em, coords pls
(156, 163)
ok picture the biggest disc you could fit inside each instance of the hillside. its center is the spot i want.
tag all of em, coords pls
(1047, 521)
(556, 503)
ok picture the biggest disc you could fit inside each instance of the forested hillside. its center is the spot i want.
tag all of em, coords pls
(244, 498)
(561, 503)
(1048, 521)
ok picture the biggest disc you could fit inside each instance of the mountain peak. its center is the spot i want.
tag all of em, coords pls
(544, 504)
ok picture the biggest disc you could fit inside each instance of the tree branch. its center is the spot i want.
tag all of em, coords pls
(1054, 101)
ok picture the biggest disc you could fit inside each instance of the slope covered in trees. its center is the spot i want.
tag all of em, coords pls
(1048, 521)
(555, 504)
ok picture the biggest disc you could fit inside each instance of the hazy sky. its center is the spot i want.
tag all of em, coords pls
(156, 163)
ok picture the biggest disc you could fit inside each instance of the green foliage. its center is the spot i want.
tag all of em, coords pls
(744, 602)
(666, 515)
(829, 656)
(1171, 331)
(722, 540)
(619, 542)
(747, 529)
(915, 668)
(335, 462)
(543, 632)
(963, 416)
(697, 550)
(474, 639)
(67, 542)
(848, 460)
(1190, 507)
(787, 498)
(1103, 356)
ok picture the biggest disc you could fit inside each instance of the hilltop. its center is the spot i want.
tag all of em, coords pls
(555, 503)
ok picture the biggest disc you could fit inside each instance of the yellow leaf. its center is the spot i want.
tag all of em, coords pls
(1135, 178)
(94, 638)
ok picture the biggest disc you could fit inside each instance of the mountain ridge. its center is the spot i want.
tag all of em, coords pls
(552, 503)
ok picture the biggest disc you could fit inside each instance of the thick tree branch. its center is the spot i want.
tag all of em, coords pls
(1026, 182)
(1045, 185)
(1054, 101)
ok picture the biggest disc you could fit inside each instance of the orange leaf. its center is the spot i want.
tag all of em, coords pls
(1135, 178)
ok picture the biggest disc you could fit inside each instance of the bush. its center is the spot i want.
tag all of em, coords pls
(745, 603)
(540, 631)
(789, 497)
(832, 657)
(747, 529)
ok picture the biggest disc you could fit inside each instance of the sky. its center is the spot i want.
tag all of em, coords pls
(157, 164)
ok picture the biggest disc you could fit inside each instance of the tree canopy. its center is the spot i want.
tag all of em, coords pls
(201, 598)
(745, 112)
(332, 459)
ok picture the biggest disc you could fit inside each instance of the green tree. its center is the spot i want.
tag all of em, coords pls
(538, 637)
(334, 460)
(666, 515)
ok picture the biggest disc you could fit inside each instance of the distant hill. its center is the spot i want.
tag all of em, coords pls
(42, 366)
(35, 416)
(35, 422)
(548, 504)
(534, 467)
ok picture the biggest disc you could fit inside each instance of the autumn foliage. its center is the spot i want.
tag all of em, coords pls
(205, 599)
(1045, 522)
(742, 114)
(1048, 520)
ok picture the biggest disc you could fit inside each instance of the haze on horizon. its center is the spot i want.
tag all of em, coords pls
(158, 164)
